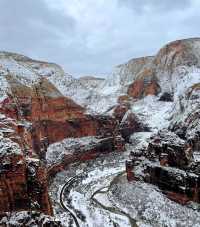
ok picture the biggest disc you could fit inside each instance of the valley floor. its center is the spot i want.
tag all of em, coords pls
(97, 194)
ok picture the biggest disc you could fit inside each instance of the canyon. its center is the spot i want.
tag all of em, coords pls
(91, 152)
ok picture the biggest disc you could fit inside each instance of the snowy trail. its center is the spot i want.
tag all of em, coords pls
(113, 209)
(77, 194)
(66, 185)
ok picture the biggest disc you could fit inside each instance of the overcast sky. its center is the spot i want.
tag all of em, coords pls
(89, 37)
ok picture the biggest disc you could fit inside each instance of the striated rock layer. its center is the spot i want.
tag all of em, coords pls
(23, 181)
(35, 114)
(171, 158)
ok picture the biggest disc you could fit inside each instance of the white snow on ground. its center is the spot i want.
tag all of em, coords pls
(102, 97)
(140, 140)
(105, 96)
(91, 82)
(3, 86)
(153, 113)
(25, 218)
(57, 151)
(186, 106)
(103, 199)
(141, 201)
(20, 72)
(97, 175)
(144, 201)
(183, 78)
(179, 81)
(70, 87)
(81, 200)
(8, 147)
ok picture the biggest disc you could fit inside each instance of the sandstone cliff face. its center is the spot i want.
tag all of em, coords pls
(52, 115)
(143, 87)
(170, 165)
(13, 183)
(178, 53)
(17, 178)
(42, 101)
(178, 186)
(160, 76)
(26, 98)
(47, 132)
(188, 107)
(35, 114)
(127, 72)
(170, 150)
(172, 154)
(73, 150)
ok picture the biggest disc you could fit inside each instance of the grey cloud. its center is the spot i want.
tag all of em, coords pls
(110, 34)
(29, 25)
(156, 5)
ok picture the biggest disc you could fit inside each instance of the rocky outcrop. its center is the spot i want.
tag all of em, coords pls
(37, 187)
(188, 126)
(166, 97)
(130, 124)
(159, 75)
(133, 67)
(91, 82)
(127, 120)
(170, 150)
(179, 185)
(145, 84)
(35, 114)
(13, 184)
(55, 131)
(23, 181)
(61, 155)
(42, 101)
(178, 53)
(44, 133)
(23, 178)
(171, 166)
(172, 157)
(25, 218)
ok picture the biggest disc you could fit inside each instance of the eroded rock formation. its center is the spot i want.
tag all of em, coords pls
(23, 181)
(33, 116)
(156, 76)
(60, 155)
(171, 166)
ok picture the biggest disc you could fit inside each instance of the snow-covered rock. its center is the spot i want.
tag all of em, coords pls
(26, 218)
(8, 147)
